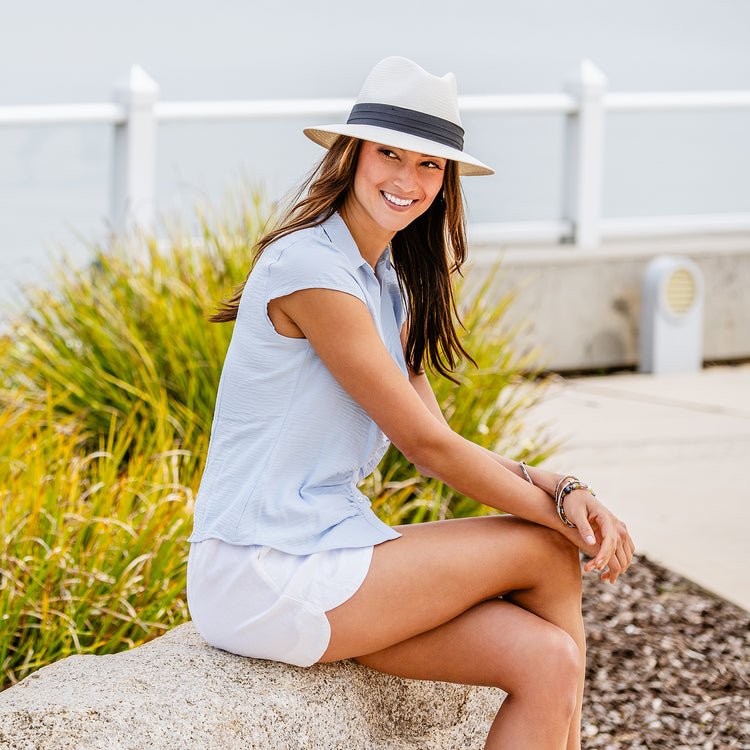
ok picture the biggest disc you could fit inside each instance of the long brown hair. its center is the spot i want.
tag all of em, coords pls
(425, 254)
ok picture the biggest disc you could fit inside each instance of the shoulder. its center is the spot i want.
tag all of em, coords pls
(314, 257)
(305, 249)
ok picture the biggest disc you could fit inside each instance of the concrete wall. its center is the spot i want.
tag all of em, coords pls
(583, 307)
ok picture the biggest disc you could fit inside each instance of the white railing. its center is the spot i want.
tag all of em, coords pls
(136, 112)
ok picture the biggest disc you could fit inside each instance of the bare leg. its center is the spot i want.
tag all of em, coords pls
(569, 619)
(429, 609)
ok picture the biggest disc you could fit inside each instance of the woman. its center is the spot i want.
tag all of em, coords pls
(348, 299)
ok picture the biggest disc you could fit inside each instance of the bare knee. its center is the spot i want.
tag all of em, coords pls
(555, 557)
(565, 660)
(553, 677)
(561, 656)
(558, 544)
(568, 558)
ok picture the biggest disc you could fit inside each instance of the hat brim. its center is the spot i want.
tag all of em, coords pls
(325, 135)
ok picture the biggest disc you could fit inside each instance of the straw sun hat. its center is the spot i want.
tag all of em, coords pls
(403, 106)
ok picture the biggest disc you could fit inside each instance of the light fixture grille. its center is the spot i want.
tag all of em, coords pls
(680, 291)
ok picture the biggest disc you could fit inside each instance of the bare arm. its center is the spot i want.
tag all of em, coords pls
(546, 480)
(341, 331)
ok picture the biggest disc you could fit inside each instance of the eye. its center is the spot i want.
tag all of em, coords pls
(388, 153)
(432, 165)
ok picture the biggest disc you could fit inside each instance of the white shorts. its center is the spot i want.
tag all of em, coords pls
(257, 601)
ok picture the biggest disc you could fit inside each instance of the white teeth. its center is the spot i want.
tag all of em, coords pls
(397, 201)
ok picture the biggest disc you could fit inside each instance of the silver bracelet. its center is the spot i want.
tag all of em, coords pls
(565, 486)
(525, 471)
(564, 482)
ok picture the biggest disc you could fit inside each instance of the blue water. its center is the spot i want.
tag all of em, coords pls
(54, 181)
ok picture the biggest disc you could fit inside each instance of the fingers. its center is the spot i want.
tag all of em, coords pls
(577, 511)
(618, 564)
(586, 531)
(595, 528)
(622, 557)
(615, 547)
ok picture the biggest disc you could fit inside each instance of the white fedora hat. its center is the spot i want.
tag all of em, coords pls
(403, 106)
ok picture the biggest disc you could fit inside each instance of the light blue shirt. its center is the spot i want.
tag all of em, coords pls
(288, 444)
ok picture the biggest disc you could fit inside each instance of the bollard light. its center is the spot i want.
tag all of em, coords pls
(671, 338)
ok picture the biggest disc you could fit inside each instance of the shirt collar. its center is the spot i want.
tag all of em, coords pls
(338, 233)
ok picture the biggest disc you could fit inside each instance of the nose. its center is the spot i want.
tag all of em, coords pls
(407, 176)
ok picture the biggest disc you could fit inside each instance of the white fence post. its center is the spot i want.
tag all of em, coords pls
(134, 161)
(584, 155)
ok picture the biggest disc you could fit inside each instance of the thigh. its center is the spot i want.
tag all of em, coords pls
(495, 643)
(436, 571)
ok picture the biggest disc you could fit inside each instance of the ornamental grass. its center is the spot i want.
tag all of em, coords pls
(108, 377)
(93, 541)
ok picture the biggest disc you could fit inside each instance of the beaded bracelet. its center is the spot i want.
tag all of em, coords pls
(565, 486)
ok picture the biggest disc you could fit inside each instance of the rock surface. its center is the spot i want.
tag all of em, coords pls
(668, 667)
(179, 692)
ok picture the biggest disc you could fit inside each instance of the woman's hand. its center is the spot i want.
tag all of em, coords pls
(612, 549)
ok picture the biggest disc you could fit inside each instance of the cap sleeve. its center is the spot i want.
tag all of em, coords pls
(311, 263)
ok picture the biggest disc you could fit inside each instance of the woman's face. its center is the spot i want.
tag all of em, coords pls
(392, 187)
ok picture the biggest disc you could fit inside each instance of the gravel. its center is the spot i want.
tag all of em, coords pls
(668, 664)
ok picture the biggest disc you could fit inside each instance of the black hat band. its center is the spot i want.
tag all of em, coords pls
(408, 121)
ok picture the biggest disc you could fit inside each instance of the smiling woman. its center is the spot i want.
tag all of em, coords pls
(348, 300)
(392, 187)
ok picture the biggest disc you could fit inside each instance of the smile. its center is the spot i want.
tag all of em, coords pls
(397, 201)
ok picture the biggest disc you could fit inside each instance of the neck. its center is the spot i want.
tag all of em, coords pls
(371, 238)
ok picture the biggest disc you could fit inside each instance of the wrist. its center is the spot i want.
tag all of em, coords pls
(557, 486)
(542, 478)
(565, 487)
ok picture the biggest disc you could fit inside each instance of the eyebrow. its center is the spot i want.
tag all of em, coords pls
(421, 156)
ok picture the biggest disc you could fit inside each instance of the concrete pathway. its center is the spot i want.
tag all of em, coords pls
(670, 454)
